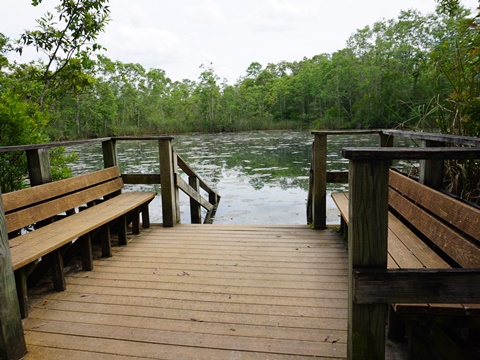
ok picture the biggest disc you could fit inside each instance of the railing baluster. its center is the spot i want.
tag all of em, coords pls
(195, 208)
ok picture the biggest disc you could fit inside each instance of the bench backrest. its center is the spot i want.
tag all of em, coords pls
(29, 206)
(450, 224)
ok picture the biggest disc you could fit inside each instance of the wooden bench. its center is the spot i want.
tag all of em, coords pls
(429, 229)
(43, 221)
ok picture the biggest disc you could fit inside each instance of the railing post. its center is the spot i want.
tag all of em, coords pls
(367, 248)
(319, 201)
(109, 153)
(195, 208)
(39, 170)
(167, 181)
(432, 171)
(12, 341)
(386, 140)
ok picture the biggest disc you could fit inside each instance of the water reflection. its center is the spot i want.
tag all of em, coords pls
(262, 176)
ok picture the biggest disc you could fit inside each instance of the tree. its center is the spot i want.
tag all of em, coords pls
(208, 94)
(71, 34)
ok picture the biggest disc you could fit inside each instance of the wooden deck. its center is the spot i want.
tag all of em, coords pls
(202, 292)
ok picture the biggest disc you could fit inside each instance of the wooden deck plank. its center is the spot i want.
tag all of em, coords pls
(202, 292)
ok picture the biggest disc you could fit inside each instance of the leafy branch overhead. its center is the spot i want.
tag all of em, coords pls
(72, 32)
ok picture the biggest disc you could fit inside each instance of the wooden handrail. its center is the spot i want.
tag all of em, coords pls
(168, 176)
(402, 153)
(430, 172)
(367, 246)
(449, 139)
(192, 189)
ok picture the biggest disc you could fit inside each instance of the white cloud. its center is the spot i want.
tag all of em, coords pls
(178, 36)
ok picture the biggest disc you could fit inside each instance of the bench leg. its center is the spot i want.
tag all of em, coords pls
(395, 326)
(145, 217)
(122, 230)
(343, 226)
(106, 241)
(87, 252)
(22, 292)
(433, 342)
(58, 275)
(417, 346)
(136, 221)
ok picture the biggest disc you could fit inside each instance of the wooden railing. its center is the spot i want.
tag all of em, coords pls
(169, 177)
(371, 285)
(431, 171)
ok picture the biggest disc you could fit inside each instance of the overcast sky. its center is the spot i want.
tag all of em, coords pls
(180, 35)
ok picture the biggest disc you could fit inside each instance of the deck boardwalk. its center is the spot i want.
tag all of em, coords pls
(202, 292)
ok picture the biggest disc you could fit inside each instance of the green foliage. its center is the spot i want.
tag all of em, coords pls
(71, 33)
(59, 163)
(415, 71)
(21, 122)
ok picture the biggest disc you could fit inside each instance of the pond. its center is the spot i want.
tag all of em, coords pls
(262, 176)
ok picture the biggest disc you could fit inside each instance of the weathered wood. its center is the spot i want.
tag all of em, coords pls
(87, 252)
(213, 197)
(105, 241)
(416, 286)
(31, 246)
(22, 291)
(190, 172)
(195, 196)
(401, 153)
(195, 209)
(345, 132)
(176, 175)
(431, 171)
(27, 197)
(19, 219)
(135, 215)
(340, 177)
(424, 292)
(431, 342)
(168, 184)
(39, 170)
(109, 150)
(465, 253)
(143, 138)
(145, 216)
(386, 140)
(161, 307)
(367, 244)
(460, 215)
(319, 196)
(121, 225)
(55, 259)
(149, 179)
(444, 138)
(12, 341)
(49, 145)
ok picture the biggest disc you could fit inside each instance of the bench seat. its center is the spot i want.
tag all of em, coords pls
(57, 220)
(32, 246)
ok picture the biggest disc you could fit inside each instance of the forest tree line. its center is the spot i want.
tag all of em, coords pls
(413, 71)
